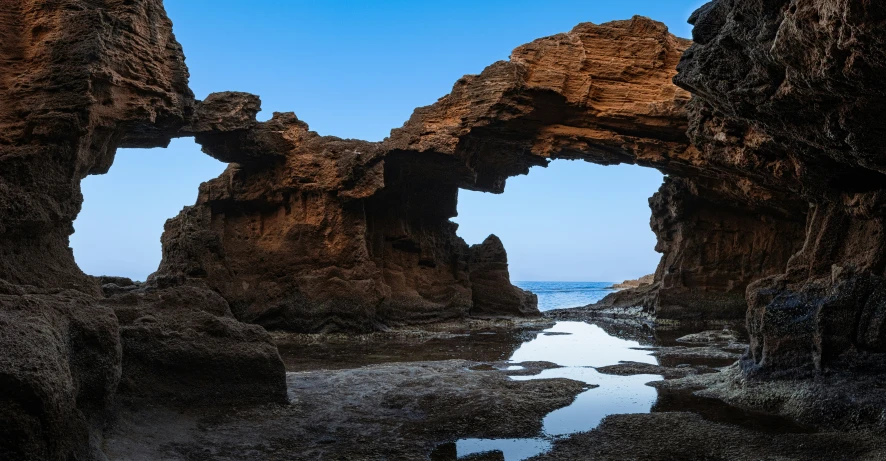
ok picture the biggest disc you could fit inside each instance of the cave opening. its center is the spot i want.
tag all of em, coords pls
(570, 230)
(117, 231)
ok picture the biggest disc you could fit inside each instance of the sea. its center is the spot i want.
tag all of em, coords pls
(561, 295)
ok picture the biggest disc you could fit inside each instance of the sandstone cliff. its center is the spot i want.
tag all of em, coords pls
(315, 233)
(78, 79)
(773, 199)
(793, 90)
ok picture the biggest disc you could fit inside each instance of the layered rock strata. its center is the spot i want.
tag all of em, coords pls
(794, 90)
(317, 233)
(78, 79)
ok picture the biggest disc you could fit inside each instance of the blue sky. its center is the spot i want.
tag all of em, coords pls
(357, 69)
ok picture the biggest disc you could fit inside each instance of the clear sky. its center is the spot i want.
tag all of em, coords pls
(357, 69)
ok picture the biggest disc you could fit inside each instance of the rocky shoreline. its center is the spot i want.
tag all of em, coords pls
(374, 407)
(635, 283)
(771, 216)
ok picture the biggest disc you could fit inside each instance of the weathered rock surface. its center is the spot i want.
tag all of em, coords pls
(774, 198)
(376, 412)
(680, 435)
(794, 91)
(714, 243)
(78, 79)
(635, 283)
(59, 368)
(305, 232)
(491, 286)
(182, 345)
(313, 233)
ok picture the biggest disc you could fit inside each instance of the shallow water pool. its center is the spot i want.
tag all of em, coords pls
(577, 347)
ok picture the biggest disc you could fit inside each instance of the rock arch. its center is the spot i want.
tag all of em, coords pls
(78, 79)
(311, 233)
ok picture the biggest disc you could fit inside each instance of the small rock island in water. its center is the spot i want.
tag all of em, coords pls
(316, 303)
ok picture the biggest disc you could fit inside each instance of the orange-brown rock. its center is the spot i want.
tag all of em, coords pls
(794, 91)
(316, 233)
(78, 79)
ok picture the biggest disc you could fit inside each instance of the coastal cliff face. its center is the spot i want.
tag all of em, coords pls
(313, 233)
(77, 80)
(805, 78)
(770, 141)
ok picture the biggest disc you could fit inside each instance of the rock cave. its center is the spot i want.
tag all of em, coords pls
(765, 126)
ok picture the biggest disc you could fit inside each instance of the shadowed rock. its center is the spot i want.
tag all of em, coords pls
(794, 91)
(491, 286)
(774, 197)
(317, 233)
(78, 79)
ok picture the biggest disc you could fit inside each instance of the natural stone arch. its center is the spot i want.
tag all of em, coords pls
(350, 234)
(78, 80)
(317, 233)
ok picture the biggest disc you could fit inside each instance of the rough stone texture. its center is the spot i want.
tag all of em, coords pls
(376, 412)
(794, 89)
(78, 79)
(313, 233)
(182, 345)
(318, 233)
(491, 286)
(681, 435)
(713, 247)
(635, 283)
(59, 368)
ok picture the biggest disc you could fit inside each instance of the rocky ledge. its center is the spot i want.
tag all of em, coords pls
(772, 207)
(634, 283)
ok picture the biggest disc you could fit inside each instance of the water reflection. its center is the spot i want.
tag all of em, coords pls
(333, 352)
(582, 345)
(512, 449)
(616, 394)
(576, 347)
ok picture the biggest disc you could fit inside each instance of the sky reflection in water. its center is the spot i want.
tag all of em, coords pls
(577, 347)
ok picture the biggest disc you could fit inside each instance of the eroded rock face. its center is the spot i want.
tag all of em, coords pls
(59, 368)
(182, 345)
(314, 233)
(491, 286)
(802, 80)
(78, 79)
(713, 246)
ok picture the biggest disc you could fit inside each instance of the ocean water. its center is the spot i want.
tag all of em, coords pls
(561, 295)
